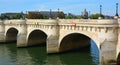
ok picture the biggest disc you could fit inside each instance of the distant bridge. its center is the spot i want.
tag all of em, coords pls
(65, 34)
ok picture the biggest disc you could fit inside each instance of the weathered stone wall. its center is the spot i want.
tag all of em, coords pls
(118, 45)
(108, 38)
(2, 31)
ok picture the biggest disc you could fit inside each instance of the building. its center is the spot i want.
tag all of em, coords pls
(49, 14)
(11, 15)
(85, 14)
(71, 15)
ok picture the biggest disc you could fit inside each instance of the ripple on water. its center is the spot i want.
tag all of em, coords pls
(10, 55)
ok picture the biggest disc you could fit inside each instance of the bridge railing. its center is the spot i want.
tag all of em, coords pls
(90, 22)
(42, 21)
(16, 21)
(78, 22)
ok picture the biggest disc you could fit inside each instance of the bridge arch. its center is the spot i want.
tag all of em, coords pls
(36, 37)
(72, 38)
(11, 34)
(118, 59)
(77, 40)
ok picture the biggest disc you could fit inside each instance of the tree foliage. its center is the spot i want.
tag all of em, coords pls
(5, 17)
(17, 16)
(68, 17)
(80, 17)
(96, 16)
(60, 15)
(45, 17)
(34, 16)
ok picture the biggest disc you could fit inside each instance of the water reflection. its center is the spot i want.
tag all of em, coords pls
(95, 53)
(76, 58)
(23, 57)
(38, 55)
(7, 54)
(10, 55)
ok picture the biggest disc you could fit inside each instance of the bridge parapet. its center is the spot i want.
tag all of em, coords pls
(119, 22)
(90, 22)
(41, 22)
(118, 46)
(15, 21)
(1, 21)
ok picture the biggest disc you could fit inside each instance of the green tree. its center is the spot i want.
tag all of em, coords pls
(0, 17)
(45, 17)
(5, 17)
(60, 15)
(34, 15)
(68, 17)
(17, 16)
(80, 17)
(96, 16)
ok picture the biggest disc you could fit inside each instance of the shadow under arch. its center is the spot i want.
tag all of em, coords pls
(77, 44)
(74, 41)
(11, 35)
(37, 37)
(118, 59)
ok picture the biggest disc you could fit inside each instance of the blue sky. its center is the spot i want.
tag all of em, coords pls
(71, 6)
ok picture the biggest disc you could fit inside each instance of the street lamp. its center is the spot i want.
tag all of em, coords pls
(100, 17)
(58, 10)
(100, 10)
(50, 13)
(116, 9)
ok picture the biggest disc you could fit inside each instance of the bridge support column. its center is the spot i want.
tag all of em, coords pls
(108, 52)
(2, 31)
(53, 40)
(108, 46)
(21, 40)
(22, 35)
(118, 45)
(52, 44)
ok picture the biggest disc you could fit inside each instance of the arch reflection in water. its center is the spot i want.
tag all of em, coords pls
(84, 50)
(85, 56)
(95, 53)
(31, 56)
(9, 54)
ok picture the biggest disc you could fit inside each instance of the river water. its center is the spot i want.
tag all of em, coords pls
(10, 55)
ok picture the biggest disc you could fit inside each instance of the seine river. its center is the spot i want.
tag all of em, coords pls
(10, 55)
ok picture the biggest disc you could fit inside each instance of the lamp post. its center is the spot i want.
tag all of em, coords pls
(58, 10)
(100, 10)
(89, 15)
(50, 14)
(116, 9)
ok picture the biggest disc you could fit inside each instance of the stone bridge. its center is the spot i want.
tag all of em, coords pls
(65, 34)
